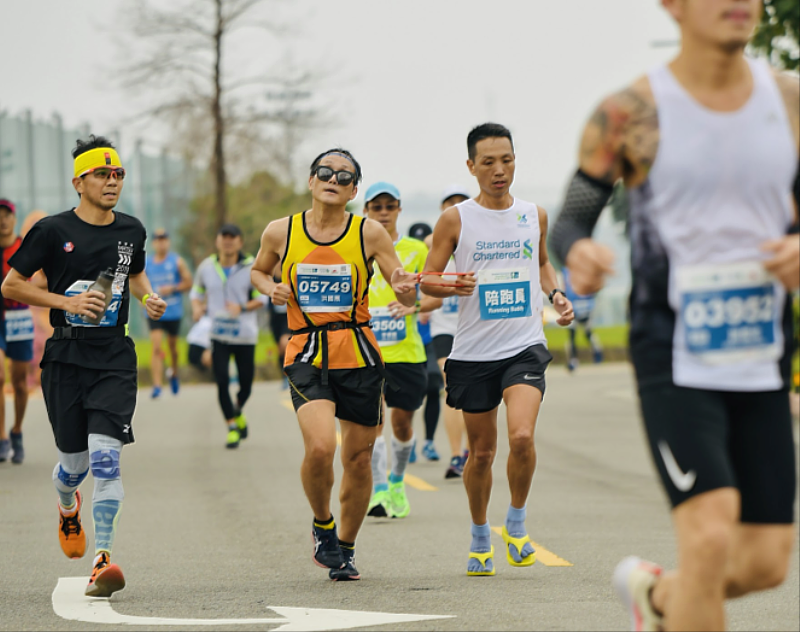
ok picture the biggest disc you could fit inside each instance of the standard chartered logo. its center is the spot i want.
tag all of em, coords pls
(503, 249)
(527, 249)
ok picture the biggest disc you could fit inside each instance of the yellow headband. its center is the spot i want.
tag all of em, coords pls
(98, 157)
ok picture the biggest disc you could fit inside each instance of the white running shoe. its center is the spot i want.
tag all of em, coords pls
(633, 580)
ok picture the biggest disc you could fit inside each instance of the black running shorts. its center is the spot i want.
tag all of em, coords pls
(704, 440)
(356, 392)
(172, 327)
(443, 345)
(411, 380)
(477, 387)
(83, 401)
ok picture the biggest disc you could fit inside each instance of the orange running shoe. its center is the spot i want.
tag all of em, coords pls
(70, 531)
(106, 577)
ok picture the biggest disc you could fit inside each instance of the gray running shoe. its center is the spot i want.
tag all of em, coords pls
(16, 445)
(5, 449)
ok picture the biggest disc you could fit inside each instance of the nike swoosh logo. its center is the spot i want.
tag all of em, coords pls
(683, 481)
(528, 376)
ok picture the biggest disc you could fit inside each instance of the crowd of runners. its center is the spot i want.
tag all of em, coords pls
(372, 324)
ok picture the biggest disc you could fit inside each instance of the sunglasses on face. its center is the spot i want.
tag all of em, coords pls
(342, 177)
(103, 173)
(377, 208)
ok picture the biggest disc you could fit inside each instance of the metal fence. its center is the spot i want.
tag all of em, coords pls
(36, 174)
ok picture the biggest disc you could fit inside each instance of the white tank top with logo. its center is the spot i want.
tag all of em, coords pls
(504, 315)
(720, 186)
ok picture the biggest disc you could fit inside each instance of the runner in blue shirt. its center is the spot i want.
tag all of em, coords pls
(170, 277)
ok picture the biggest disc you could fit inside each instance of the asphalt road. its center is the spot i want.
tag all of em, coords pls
(216, 534)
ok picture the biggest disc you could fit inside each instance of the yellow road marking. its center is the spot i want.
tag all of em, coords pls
(548, 558)
(418, 483)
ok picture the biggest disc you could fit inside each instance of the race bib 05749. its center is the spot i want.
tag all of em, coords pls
(324, 288)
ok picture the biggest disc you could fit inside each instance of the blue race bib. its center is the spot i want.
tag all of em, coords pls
(450, 305)
(324, 288)
(728, 313)
(504, 293)
(387, 329)
(225, 326)
(112, 313)
(19, 325)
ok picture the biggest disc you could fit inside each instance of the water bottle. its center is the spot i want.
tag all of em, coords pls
(103, 285)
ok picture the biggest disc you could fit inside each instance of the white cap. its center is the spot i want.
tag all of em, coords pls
(454, 189)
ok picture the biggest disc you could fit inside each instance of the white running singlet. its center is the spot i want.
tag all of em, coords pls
(504, 315)
(720, 186)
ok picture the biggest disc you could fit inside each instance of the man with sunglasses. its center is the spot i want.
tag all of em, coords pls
(333, 361)
(170, 276)
(395, 327)
(89, 378)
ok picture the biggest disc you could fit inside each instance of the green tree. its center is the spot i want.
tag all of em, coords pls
(778, 36)
(252, 205)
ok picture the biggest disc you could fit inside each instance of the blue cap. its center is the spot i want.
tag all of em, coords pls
(379, 188)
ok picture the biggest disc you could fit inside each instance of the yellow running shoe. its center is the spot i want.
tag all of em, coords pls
(398, 501)
(71, 535)
(233, 438)
(241, 424)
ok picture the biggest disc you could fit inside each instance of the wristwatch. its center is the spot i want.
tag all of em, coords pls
(553, 293)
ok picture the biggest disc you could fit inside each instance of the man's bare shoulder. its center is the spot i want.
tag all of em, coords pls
(278, 227)
(450, 218)
(373, 229)
(542, 216)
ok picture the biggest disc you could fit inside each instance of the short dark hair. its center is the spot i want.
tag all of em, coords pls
(338, 150)
(484, 131)
(82, 146)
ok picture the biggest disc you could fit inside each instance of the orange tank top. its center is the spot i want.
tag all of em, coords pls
(330, 298)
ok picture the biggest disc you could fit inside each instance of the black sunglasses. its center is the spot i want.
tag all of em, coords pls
(342, 177)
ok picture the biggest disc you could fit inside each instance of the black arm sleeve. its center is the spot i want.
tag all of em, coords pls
(586, 198)
(34, 251)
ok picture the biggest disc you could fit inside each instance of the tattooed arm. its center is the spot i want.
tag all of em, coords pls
(619, 142)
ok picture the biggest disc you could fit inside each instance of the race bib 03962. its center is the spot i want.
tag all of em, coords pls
(728, 312)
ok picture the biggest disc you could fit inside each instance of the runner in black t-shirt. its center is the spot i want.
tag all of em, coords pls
(88, 371)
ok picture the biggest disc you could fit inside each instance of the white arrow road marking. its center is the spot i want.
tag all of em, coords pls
(70, 603)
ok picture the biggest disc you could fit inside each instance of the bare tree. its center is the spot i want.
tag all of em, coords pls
(208, 103)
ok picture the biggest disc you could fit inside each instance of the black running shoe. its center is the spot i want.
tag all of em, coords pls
(327, 552)
(348, 572)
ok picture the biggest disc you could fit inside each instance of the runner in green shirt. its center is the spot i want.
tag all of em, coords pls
(403, 351)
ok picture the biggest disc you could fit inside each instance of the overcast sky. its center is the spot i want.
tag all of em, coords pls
(413, 76)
